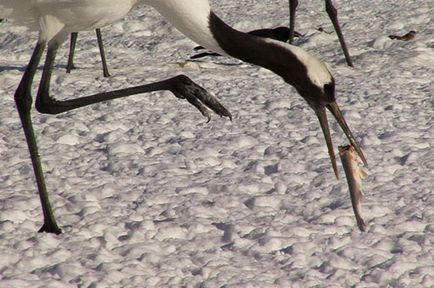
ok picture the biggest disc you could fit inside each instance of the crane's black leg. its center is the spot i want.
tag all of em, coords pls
(181, 86)
(333, 14)
(23, 100)
(101, 51)
(292, 7)
(72, 43)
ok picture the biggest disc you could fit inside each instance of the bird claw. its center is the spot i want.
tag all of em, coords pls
(199, 98)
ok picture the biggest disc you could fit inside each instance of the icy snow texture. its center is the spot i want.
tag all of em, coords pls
(149, 195)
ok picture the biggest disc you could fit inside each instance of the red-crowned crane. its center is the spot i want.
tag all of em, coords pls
(55, 19)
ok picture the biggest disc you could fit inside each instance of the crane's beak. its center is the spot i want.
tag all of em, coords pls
(336, 112)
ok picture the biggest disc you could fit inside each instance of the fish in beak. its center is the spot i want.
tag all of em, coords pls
(336, 112)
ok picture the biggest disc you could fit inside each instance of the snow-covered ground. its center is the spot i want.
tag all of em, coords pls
(150, 195)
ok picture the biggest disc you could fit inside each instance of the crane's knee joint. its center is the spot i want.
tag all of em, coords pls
(23, 100)
(293, 3)
(47, 106)
(183, 79)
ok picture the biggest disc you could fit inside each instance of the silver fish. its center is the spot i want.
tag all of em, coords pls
(355, 173)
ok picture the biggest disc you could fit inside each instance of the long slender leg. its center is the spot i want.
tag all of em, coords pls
(292, 7)
(333, 14)
(181, 86)
(72, 43)
(23, 100)
(101, 51)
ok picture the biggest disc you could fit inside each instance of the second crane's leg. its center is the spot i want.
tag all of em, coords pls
(333, 14)
(292, 7)
(72, 43)
(23, 100)
(101, 51)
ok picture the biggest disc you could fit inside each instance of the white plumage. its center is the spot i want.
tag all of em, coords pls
(58, 18)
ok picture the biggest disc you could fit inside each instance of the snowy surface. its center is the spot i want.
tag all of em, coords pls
(150, 195)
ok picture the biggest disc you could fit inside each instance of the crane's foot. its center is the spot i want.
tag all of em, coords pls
(185, 88)
(50, 228)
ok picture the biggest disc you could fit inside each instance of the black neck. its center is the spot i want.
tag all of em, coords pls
(257, 50)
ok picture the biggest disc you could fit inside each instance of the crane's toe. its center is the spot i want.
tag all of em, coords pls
(199, 97)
